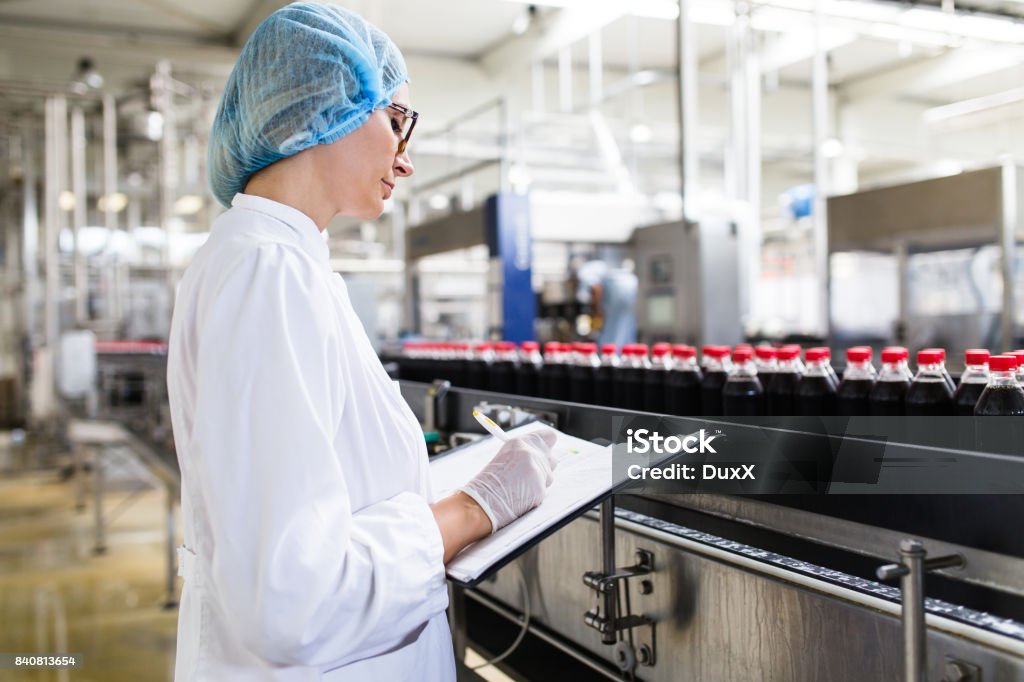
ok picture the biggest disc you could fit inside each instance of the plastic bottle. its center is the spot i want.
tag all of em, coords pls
(816, 394)
(781, 392)
(453, 361)
(530, 364)
(767, 363)
(929, 395)
(945, 373)
(1003, 396)
(716, 372)
(479, 368)
(972, 382)
(829, 370)
(654, 380)
(629, 379)
(1019, 354)
(852, 398)
(890, 391)
(743, 394)
(505, 368)
(799, 353)
(582, 374)
(554, 375)
(682, 383)
(604, 377)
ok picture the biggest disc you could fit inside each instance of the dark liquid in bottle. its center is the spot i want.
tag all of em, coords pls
(527, 379)
(654, 390)
(966, 397)
(999, 401)
(604, 386)
(711, 386)
(503, 376)
(554, 381)
(682, 393)
(816, 396)
(629, 388)
(781, 394)
(853, 397)
(477, 372)
(887, 398)
(743, 398)
(581, 383)
(929, 399)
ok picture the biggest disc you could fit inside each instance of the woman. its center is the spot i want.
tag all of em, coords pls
(311, 548)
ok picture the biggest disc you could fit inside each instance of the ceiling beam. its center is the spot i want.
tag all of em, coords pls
(920, 77)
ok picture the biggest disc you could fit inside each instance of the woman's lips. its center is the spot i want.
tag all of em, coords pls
(388, 188)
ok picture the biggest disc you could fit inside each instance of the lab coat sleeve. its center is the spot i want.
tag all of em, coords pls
(307, 580)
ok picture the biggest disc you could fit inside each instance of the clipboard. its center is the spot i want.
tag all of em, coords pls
(582, 479)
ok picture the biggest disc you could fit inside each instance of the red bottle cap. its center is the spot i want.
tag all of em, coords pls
(587, 348)
(640, 348)
(683, 351)
(529, 346)
(940, 351)
(661, 348)
(1003, 363)
(929, 356)
(788, 353)
(608, 348)
(817, 354)
(893, 354)
(858, 354)
(976, 356)
(505, 346)
(484, 346)
(552, 347)
(790, 346)
(741, 354)
(716, 351)
(766, 352)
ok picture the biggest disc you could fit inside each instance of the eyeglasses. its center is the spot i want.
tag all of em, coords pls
(405, 125)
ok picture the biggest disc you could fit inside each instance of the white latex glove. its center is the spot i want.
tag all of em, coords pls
(516, 480)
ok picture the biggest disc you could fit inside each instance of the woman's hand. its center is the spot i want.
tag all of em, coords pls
(511, 484)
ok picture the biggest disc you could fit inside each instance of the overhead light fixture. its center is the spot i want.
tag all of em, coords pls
(439, 201)
(521, 24)
(188, 204)
(66, 200)
(115, 203)
(640, 133)
(86, 77)
(154, 125)
(832, 148)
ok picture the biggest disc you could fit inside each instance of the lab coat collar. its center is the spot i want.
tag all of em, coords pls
(310, 238)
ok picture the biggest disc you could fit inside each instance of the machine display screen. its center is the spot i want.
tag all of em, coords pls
(661, 309)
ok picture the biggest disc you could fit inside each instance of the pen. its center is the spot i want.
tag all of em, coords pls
(490, 426)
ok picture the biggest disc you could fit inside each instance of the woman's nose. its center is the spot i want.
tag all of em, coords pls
(403, 166)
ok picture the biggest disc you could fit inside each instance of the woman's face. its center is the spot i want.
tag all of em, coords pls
(361, 168)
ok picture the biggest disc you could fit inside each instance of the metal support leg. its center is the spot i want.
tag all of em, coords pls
(608, 565)
(78, 461)
(97, 489)
(171, 600)
(457, 621)
(911, 571)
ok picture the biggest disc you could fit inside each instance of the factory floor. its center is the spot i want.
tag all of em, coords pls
(58, 595)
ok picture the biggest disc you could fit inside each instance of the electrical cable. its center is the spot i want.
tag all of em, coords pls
(522, 632)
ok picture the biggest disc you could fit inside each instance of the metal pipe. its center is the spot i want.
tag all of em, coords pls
(596, 68)
(686, 79)
(608, 566)
(164, 97)
(819, 99)
(912, 588)
(1008, 250)
(97, 490)
(109, 190)
(78, 214)
(30, 241)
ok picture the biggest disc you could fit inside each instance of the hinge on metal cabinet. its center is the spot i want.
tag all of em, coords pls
(612, 617)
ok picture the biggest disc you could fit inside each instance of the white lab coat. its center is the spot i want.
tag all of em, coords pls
(312, 553)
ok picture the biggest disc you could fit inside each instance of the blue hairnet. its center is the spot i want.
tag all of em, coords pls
(308, 75)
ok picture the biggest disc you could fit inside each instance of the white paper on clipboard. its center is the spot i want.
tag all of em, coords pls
(583, 473)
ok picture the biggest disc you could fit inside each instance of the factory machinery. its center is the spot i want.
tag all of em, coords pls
(815, 588)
